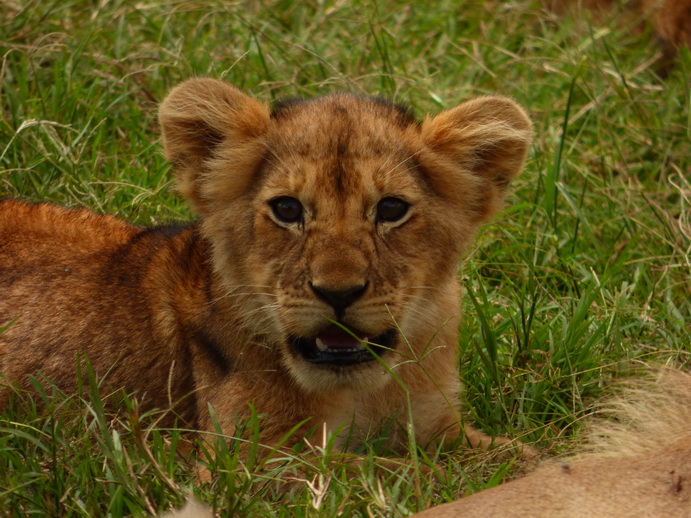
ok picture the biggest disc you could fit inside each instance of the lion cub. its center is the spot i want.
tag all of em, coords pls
(318, 285)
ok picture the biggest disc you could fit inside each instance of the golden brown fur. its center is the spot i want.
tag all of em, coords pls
(233, 309)
(636, 463)
(671, 19)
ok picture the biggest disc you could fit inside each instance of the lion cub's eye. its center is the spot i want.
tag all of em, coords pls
(286, 209)
(391, 209)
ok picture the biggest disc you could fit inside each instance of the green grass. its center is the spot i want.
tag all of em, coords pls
(585, 274)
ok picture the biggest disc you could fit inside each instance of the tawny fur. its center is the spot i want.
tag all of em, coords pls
(192, 509)
(636, 463)
(671, 19)
(206, 314)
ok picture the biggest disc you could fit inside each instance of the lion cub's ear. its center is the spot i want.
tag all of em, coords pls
(476, 149)
(212, 136)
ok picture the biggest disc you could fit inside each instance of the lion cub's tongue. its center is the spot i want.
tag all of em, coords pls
(335, 338)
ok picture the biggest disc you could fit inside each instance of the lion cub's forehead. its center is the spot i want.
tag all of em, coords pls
(345, 143)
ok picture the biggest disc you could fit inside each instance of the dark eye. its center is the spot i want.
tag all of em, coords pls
(391, 209)
(286, 209)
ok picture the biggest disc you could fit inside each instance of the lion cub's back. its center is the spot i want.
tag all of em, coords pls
(38, 234)
(60, 289)
(46, 249)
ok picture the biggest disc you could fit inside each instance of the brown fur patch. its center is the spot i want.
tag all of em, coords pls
(636, 462)
(671, 19)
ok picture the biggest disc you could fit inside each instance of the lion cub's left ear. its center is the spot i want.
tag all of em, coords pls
(474, 150)
(212, 134)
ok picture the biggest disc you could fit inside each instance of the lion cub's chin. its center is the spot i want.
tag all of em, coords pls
(362, 378)
(340, 358)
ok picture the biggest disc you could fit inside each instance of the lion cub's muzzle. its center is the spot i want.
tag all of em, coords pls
(339, 300)
(341, 344)
(335, 346)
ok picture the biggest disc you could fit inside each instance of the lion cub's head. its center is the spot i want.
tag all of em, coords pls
(336, 223)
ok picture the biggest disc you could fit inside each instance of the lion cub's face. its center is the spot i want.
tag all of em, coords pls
(338, 222)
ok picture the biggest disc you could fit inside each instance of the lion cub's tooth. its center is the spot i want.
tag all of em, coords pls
(321, 345)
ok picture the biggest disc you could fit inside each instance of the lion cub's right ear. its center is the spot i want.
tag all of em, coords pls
(212, 134)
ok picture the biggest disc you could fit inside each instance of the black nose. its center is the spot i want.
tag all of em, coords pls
(339, 299)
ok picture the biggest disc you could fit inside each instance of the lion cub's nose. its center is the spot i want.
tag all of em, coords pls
(339, 299)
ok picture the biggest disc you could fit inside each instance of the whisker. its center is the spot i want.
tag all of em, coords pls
(420, 288)
(391, 170)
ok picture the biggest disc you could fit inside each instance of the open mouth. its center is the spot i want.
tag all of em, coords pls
(337, 347)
